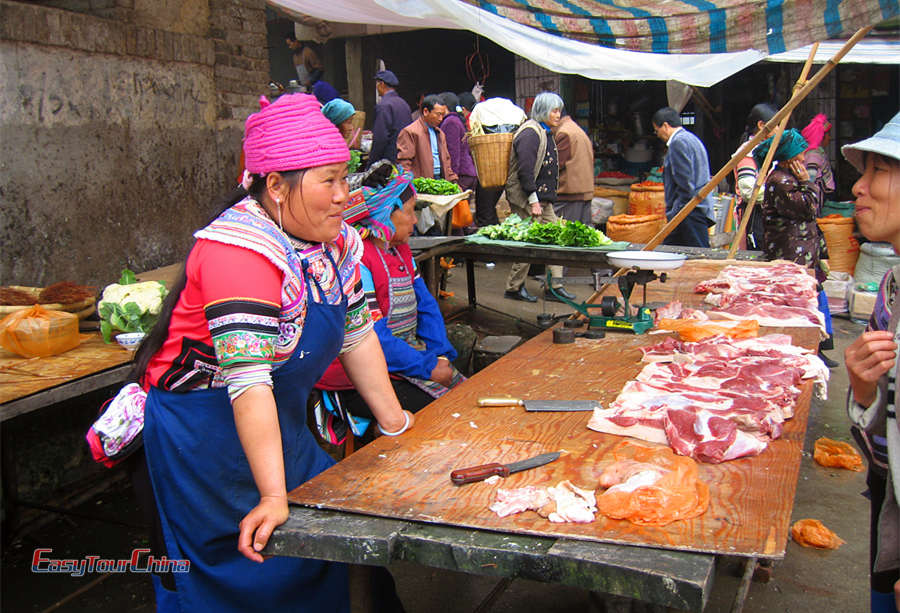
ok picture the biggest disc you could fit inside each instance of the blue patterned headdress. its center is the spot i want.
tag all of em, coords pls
(369, 208)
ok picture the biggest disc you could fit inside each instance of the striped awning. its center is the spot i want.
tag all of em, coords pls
(695, 26)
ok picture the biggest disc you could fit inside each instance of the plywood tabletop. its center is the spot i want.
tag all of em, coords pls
(408, 477)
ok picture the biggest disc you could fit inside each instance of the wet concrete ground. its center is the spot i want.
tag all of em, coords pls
(806, 580)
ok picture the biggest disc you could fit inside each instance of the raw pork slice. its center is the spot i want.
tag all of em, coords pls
(520, 499)
(707, 437)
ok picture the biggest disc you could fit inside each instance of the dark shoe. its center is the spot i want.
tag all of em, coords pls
(548, 295)
(520, 294)
(828, 361)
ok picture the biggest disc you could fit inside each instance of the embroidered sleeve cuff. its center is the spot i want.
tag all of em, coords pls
(241, 377)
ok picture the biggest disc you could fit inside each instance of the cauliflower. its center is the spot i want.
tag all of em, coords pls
(148, 295)
(129, 306)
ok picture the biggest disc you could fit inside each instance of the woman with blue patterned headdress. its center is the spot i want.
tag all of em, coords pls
(408, 321)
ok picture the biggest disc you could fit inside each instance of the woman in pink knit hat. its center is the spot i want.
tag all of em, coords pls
(817, 134)
(269, 296)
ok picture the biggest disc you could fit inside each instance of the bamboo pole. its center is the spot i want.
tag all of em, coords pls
(747, 147)
(763, 170)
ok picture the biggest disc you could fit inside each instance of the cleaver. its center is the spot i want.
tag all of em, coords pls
(541, 405)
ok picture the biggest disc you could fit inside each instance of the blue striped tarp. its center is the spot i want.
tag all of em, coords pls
(695, 26)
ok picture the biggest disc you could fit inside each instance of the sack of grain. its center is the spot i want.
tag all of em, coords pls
(647, 199)
(634, 228)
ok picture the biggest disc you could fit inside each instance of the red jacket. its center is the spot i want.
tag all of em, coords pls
(414, 151)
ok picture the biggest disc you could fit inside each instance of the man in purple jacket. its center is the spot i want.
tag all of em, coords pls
(391, 115)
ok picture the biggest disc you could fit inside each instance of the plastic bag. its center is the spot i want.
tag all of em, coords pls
(692, 330)
(837, 454)
(462, 215)
(813, 533)
(39, 332)
(654, 486)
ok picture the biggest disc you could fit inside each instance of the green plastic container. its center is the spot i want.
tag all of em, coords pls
(844, 209)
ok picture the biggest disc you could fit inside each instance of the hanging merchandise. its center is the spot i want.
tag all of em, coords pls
(478, 69)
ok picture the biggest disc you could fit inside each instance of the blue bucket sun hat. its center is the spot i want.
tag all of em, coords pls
(885, 142)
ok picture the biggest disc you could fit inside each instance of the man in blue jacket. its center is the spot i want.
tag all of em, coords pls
(685, 172)
(392, 114)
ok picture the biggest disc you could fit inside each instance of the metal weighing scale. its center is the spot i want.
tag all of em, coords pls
(642, 267)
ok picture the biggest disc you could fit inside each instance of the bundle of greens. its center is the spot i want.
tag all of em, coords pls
(355, 159)
(513, 228)
(130, 306)
(560, 232)
(437, 187)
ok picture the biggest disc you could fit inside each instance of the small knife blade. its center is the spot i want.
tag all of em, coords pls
(462, 476)
(540, 405)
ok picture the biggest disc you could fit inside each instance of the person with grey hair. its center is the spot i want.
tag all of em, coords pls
(532, 182)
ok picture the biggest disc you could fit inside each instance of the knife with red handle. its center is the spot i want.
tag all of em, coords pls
(461, 476)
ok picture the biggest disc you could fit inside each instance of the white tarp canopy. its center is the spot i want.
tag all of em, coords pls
(864, 52)
(554, 53)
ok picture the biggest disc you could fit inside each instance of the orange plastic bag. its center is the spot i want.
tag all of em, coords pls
(837, 454)
(813, 533)
(462, 215)
(674, 492)
(693, 330)
(39, 332)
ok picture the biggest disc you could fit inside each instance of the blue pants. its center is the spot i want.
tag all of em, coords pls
(693, 231)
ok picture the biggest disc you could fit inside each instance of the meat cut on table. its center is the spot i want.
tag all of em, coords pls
(714, 400)
(783, 294)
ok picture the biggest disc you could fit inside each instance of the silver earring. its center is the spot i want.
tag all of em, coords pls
(278, 202)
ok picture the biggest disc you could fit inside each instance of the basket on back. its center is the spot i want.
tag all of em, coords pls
(491, 155)
(634, 228)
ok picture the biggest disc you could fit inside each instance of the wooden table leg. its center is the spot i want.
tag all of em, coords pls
(470, 282)
(744, 587)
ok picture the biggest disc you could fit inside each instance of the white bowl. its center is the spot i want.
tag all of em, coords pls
(650, 260)
(130, 340)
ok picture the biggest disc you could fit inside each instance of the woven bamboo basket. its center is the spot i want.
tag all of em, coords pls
(843, 249)
(634, 228)
(491, 154)
(646, 199)
(359, 120)
(82, 308)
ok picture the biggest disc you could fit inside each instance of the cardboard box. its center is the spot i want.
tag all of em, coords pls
(862, 304)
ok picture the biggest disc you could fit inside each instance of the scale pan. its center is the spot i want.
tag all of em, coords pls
(648, 260)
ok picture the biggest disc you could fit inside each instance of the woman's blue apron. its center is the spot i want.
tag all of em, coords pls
(204, 487)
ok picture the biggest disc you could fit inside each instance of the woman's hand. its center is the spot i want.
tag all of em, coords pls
(443, 372)
(258, 525)
(798, 169)
(867, 359)
(536, 209)
(402, 427)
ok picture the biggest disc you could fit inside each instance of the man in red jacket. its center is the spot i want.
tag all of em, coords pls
(422, 146)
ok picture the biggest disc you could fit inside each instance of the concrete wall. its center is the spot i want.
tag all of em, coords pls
(119, 134)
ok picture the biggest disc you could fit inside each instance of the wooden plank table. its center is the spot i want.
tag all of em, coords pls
(400, 505)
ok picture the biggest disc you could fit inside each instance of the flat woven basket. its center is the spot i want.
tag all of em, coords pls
(634, 228)
(491, 154)
(843, 249)
(82, 308)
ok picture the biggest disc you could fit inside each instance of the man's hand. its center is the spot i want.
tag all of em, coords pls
(536, 209)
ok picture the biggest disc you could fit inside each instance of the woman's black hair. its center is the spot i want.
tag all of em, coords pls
(466, 100)
(160, 331)
(451, 101)
(761, 112)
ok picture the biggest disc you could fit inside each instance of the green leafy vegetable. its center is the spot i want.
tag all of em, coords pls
(438, 187)
(561, 232)
(129, 305)
(128, 277)
(355, 160)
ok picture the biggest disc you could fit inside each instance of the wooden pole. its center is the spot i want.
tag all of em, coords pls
(763, 170)
(747, 147)
(757, 138)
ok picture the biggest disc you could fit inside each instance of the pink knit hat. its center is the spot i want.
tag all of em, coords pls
(814, 133)
(291, 134)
